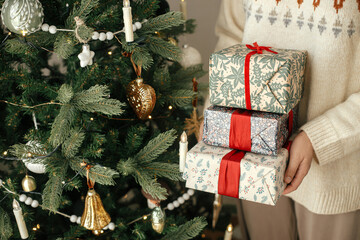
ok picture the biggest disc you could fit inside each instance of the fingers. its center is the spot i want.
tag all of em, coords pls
(292, 168)
(297, 180)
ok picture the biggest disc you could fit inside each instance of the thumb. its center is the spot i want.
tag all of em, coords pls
(292, 168)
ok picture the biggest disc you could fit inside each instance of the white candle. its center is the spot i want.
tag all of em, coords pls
(229, 232)
(183, 151)
(183, 8)
(20, 220)
(129, 34)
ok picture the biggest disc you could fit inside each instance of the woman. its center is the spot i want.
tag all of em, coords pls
(323, 192)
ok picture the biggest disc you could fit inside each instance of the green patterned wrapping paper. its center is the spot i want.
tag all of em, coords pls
(276, 80)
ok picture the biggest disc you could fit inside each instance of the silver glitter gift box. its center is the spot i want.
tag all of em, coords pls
(265, 134)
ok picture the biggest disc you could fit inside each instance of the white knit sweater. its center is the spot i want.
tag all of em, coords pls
(330, 109)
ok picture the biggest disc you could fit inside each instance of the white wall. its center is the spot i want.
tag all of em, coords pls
(205, 12)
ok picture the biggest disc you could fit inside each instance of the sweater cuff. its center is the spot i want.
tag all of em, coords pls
(326, 143)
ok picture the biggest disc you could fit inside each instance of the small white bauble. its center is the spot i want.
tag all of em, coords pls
(22, 17)
(52, 29)
(191, 192)
(109, 36)
(73, 218)
(176, 203)
(138, 25)
(22, 198)
(170, 207)
(78, 220)
(35, 204)
(181, 200)
(95, 36)
(38, 148)
(112, 226)
(28, 201)
(134, 28)
(186, 196)
(86, 56)
(190, 56)
(45, 27)
(106, 228)
(102, 37)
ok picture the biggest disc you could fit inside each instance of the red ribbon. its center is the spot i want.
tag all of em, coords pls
(240, 130)
(229, 174)
(257, 50)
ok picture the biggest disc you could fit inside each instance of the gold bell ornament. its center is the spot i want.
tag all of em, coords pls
(94, 217)
(28, 183)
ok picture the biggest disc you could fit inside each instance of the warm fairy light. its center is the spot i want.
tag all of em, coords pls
(91, 119)
(29, 155)
(150, 117)
(145, 217)
(5, 153)
(110, 52)
(24, 32)
(38, 226)
(230, 228)
(170, 107)
(34, 228)
(203, 235)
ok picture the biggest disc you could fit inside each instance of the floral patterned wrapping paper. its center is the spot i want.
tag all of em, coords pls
(269, 131)
(261, 177)
(276, 80)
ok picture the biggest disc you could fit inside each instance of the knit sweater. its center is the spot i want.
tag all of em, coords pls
(330, 108)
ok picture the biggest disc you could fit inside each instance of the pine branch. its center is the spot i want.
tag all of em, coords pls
(167, 170)
(151, 186)
(14, 46)
(74, 232)
(82, 11)
(72, 144)
(145, 8)
(164, 48)
(64, 45)
(5, 225)
(142, 57)
(156, 146)
(61, 126)
(162, 22)
(188, 230)
(181, 98)
(65, 93)
(135, 137)
(95, 99)
(162, 79)
(185, 75)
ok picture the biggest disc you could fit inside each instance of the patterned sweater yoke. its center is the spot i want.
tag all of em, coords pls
(329, 113)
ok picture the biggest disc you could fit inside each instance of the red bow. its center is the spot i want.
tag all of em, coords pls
(259, 49)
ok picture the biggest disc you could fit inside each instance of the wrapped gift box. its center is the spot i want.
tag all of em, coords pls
(263, 81)
(259, 179)
(252, 131)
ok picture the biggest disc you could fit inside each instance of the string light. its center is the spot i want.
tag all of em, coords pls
(145, 217)
(38, 226)
(5, 153)
(150, 117)
(24, 32)
(34, 228)
(110, 52)
(91, 119)
(29, 155)
(170, 107)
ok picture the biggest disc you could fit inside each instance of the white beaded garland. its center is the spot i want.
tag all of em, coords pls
(28, 201)
(112, 226)
(186, 196)
(102, 37)
(35, 204)
(45, 27)
(73, 218)
(181, 200)
(106, 228)
(109, 35)
(138, 25)
(78, 220)
(95, 35)
(134, 28)
(176, 203)
(52, 29)
(191, 192)
(170, 206)
(22, 198)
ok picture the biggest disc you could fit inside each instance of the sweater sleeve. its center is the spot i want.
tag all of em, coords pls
(230, 23)
(336, 133)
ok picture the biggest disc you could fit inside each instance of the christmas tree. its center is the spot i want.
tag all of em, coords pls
(97, 131)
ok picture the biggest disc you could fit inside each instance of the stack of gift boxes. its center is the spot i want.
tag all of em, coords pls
(244, 152)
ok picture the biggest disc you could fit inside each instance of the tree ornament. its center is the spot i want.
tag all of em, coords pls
(86, 56)
(22, 16)
(28, 183)
(98, 232)
(20, 220)
(217, 205)
(94, 216)
(141, 98)
(190, 56)
(158, 219)
(37, 148)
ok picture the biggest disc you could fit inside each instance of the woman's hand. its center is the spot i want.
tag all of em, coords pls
(301, 155)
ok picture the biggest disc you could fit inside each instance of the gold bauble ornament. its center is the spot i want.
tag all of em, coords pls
(94, 216)
(173, 41)
(141, 98)
(28, 183)
(158, 219)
